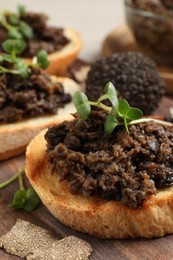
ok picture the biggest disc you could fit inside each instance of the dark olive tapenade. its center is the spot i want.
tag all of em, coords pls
(48, 38)
(122, 167)
(26, 98)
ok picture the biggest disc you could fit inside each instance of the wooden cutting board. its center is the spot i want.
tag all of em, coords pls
(161, 248)
(121, 39)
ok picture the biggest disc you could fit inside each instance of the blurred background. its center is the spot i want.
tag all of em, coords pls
(114, 26)
(94, 19)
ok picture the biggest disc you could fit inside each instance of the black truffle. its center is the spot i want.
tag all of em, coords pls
(134, 75)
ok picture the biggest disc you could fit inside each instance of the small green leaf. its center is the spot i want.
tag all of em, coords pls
(26, 30)
(32, 200)
(9, 58)
(22, 68)
(110, 89)
(123, 107)
(112, 94)
(13, 19)
(42, 59)
(24, 72)
(82, 105)
(1, 58)
(134, 113)
(110, 123)
(21, 10)
(114, 111)
(13, 46)
(84, 110)
(18, 200)
(14, 34)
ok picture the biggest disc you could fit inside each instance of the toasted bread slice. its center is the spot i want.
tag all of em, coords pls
(60, 60)
(105, 219)
(14, 137)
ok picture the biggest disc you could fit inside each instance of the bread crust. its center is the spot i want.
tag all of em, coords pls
(60, 60)
(98, 217)
(14, 137)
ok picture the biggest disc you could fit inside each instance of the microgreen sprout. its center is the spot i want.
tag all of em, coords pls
(17, 65)
(119, 113)
(26, 199)
(15, 26)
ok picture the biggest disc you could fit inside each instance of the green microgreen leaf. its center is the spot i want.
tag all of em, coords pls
(13, 19)
(21, 10)
(82, 104)
(26, 199)
(15, 26)
(32, 200)
(13, 46)
(4, 22)
(22, 68)
(110, 123)
(112, 94)
(7, 57)
(119, 114)
(114, 111)
(14, 34)
(18, 200)
(42, 59)
(17, 66)
(123, 107)
(134, 113)
(1, 58)
(24, 72)
(26, 30)
(18, 32)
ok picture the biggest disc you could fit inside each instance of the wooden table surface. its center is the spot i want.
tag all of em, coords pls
(161, 248)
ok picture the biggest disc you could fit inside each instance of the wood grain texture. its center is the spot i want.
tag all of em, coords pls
(155, 249)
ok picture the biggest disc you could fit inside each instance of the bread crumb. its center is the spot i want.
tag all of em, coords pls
(29, 241)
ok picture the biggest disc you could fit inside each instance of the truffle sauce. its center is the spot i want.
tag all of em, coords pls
(44, 37)
(121, 167)
(25, 98)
